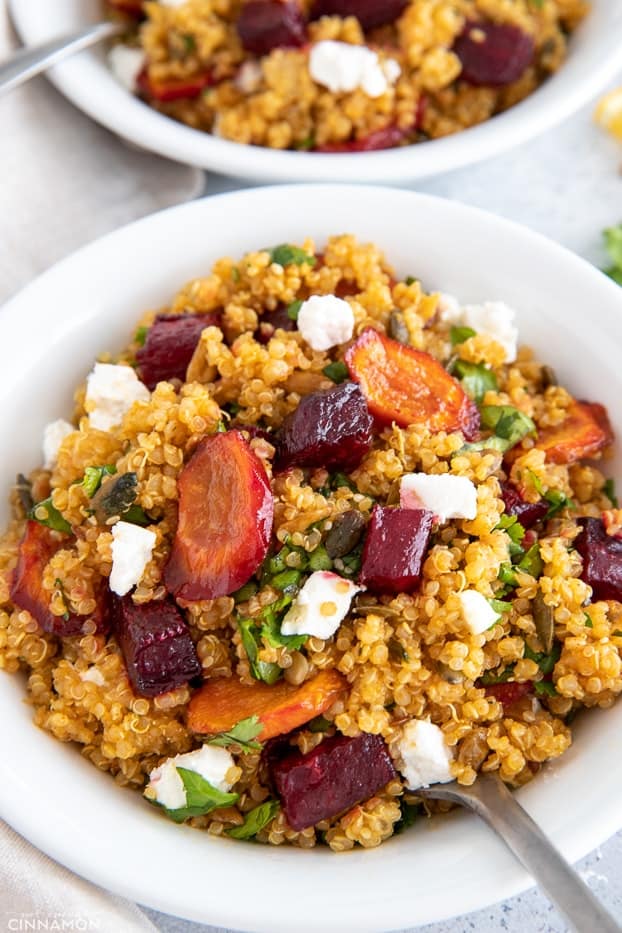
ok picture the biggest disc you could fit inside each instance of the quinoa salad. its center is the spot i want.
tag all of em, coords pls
(339, 75)
(315, 539)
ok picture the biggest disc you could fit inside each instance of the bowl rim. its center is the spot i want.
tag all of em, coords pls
(86, 82)
(59, 831)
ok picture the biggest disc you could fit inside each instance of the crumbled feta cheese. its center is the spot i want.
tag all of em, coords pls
(425, 755)
(110, 393)
(446, 495)
(494, 318)
(248, 78)
(340, 66)
(172, 2)
(93, 676)
(166, 786)
(477, 611)
(321, 605)
(132, 547)
(53, 435)
(126, 64)
(325, 321)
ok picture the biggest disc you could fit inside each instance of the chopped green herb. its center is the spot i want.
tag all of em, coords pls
(488, 679)
(546, 662)
(190, 44)
(337, 371)
(507, 422)
(319, 559)
(545, 687)
(488, 443)
(305, 144)
(293, 309)
(287, 255)
(506, 575)
(537, 482)
(141, 335)
(251, 640)
(410, 814)
(617, 633)
(458, 335)
(242, 734)
(557, 501)
(532, 563)
(47, 514)
(613, 245)
(588, 620)
(235, 274)
(287, 581)
(269, 622)
(93, 477)
(537, 3)
(410, 280)
(319, 724)
(255, 820)
(245, 592)
(476, 379)
(350, 565)
(201, 797)
(340, 479)
(609, 490)
(500, 606)
(136, 515)
(515, 531)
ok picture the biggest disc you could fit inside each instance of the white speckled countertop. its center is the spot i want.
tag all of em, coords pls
(567, 185)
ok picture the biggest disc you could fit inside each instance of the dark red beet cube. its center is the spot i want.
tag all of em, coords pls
(602, 559)
(264, 25)
(331, 428)
(269, 323)
(385, 138)
(370, 13)
(171, 341)
(337, 774)
(527, 513)
(493, 54)
(155, 643)
(395, 548)
(508, 694)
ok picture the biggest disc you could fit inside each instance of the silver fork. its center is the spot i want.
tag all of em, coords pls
(491, 799)
(31, 61)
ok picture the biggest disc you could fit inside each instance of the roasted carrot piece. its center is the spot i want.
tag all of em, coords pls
(408, 386)
(585, 431)
(220, 704)
(36, 548)
(225, 519)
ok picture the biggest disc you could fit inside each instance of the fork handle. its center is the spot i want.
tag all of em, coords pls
(490, 798)
(31, 61)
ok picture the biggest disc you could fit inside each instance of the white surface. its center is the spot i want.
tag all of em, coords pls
(425, 754)
(452, 247)
(89, 84)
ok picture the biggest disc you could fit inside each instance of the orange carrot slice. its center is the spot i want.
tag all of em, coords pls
(584, 432)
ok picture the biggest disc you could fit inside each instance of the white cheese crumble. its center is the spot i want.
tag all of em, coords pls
(93, 676)
(425, 755)
(325, 321)
(446, 495)
(126, 64)
(132, 547)
(110, 393)
(54, 434)
(248, 78)
(494, 318)
(477, 611)
(172, 2)
(166, 786)
(340, 67)
(321, 605)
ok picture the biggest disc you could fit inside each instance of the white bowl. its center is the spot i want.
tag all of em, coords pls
(595, 56)
(50, 334)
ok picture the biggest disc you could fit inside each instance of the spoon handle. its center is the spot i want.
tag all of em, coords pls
(490, 798)
(28, 62)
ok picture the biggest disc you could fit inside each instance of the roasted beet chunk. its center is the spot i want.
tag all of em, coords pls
(264, 25)
(36, 548)
(395, 548)
(336, 775)
(370, 13)
(155, 643)
(602, 559)
(493, 54)
(331, 428)
(269, 323)
(170, 343)
(527, 513)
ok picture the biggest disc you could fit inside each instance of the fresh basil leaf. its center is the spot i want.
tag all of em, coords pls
(545, 687)
(293, 309)
(288, 255)
(47, 514)
(337, 371)
(532, 563)
(242, 734)
(201, 797)
(476, 379)
(141, 335)
(458, 335)
(255, 820)
(251, 641)
(508, 423)
(609, 490)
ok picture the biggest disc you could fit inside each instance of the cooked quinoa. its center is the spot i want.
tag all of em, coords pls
(448, 65)
(503, 698)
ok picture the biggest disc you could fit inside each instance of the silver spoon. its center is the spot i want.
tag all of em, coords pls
(491, 799)
(31, 61)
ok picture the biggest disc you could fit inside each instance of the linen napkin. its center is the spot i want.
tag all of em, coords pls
(65, 181)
